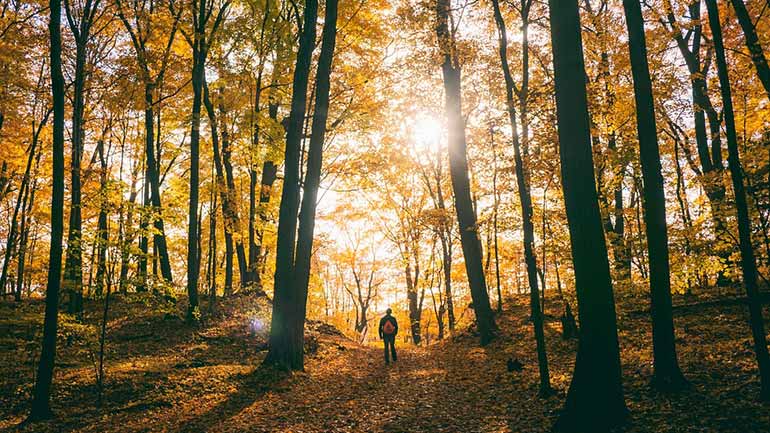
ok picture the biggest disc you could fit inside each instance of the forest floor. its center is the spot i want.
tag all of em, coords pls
(165, 376)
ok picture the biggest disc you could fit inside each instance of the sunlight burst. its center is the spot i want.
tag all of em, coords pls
(426, 131)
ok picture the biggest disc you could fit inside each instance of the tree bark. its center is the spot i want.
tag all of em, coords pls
(193, 271)
(458, 167)
(313, 175)
(225, 184)
(525, 200)
(752, 43)
(285, 345)
(103, 236)
(667, 376)
(748, 261)
(41, 395)
(595, 397)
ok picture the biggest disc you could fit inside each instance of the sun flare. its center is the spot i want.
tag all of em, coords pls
(426, 130)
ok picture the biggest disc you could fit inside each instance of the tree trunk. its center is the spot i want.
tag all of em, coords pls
(153, 179)
(748, 262)
(445, 236)
(595, 397)
(225, 184)
(526, 203)
(25, 227)
(411, 294)
(458, 167)
(752, 43)
(667, 375)
(313, 175)
(41, 395)
(234, 218)
(103, 236)
(20, 200)
(73, 267)
(285, 346)
(496, 195)
(193, 271)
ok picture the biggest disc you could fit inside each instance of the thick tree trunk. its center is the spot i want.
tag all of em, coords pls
(748, 261)
(525, 200)
(667, 375)
(285, 345)
(595, 397)
(41, 394)
(458, 168)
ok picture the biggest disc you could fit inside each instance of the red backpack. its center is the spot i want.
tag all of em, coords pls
(388, 328)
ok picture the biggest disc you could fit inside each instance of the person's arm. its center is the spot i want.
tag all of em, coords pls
(395, 323)
(382, 322)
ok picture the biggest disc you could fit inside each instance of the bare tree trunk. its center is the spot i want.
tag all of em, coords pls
(103, 236)
(312, 182)
(458, 167)
(526, 202)
(285, 346)
(595, 397)
(667, 375)
(748, 262)
(41, 395)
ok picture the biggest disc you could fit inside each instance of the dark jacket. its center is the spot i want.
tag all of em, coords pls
(382, 324)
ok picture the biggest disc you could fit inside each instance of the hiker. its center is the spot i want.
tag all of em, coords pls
(388, 331)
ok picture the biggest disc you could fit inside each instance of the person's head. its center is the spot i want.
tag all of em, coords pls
(388, 311)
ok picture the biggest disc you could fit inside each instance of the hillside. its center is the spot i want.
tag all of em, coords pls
(162, 375)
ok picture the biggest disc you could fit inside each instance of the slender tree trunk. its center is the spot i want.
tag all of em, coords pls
(193, 271)
(234, 224)
(73, 272)
(285, 351)
(526, 204)
(445, 236)
(153, 194)
(41, 395)
(412, 294)
(103, 233)
(25, 228)
(495, 229)
(212, 259)
(226, 187)
(10, 245)
(667, 375)
(458, 167)
(748, 261)
(752, 43)
(595, 397)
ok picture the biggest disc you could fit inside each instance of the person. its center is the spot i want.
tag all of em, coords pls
(388, 331)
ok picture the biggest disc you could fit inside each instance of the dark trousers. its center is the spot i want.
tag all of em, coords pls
(390, 340)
